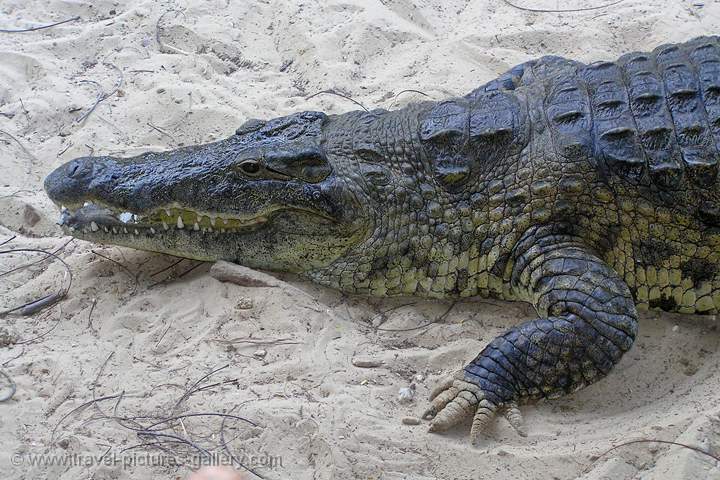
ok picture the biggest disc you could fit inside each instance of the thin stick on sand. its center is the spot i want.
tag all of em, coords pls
(40, 27)
(566, 10)
(12, 390)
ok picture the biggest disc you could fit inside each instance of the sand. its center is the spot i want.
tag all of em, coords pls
(292, 350)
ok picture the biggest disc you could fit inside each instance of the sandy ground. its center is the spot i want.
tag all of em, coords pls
(144, 338)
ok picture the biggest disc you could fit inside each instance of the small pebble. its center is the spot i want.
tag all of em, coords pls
(406, 394)
(410, 421)
(676, 328)
(260, 354)
(244, 303)
(419, 377)
(366, 363)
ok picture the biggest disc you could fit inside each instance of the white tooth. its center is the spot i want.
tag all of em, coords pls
(152, 230)
(196, 226)
(136, 232)
(125, 230)
(106, 230)
(133, 217)
(93, 226)
(225, 221)
(180, 223)
(165, 226)
(114, 230)
(222, 230)
(210, 229)
(212, 221)
(167, 212)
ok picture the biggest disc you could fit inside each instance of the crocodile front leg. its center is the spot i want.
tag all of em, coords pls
(587, 321)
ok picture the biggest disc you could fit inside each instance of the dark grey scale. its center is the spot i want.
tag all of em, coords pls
(691, 124)
(568, 112)
(614, 127)
(507, 81)
(706, 58)
(363, 140)
(498, 127)
(653, 120)
(444, 133)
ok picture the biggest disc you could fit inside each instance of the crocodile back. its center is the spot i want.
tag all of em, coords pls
(649, 122)
(657, 115)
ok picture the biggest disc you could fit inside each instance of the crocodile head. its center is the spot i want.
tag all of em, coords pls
(267, 197)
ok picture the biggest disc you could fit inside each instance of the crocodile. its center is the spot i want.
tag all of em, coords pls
(587, 190)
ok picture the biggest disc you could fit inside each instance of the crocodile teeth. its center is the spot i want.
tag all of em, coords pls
(125, 230)
(165, 226)
(196, 226)
(125, 217)
(136, 232)
(94, 226)
(212, 221)
(114, 230)
(180, 223)
(167, 212)
(64, 215)
(106, 230)
(152, 230)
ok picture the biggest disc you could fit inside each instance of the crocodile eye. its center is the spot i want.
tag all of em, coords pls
(250, 167)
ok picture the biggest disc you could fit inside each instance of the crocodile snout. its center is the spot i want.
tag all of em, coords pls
(68, 183)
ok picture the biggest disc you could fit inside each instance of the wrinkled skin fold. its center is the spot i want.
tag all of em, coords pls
(589, 191)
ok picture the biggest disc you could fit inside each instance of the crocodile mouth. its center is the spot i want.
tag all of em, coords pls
(94, 219)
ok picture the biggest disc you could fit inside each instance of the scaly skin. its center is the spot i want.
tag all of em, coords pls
(588, 191)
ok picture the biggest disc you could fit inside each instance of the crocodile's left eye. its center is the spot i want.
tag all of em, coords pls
(250, 167)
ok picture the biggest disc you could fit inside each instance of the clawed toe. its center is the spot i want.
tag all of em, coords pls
(455, 398)
(515, 419)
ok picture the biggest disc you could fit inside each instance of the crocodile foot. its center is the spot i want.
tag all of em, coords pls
(456, 397)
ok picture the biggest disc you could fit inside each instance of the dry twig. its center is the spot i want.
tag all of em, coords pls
(333, 92)
(12, 389)
(101, 96)
(158, 34)
(34, 306)
(40, 27)
(666, 442)
(567, 10)
(126, 269)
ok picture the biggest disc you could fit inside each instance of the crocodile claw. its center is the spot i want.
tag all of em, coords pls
(455, 398)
